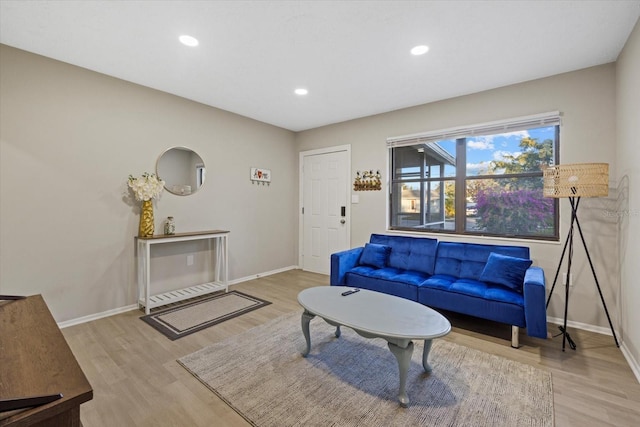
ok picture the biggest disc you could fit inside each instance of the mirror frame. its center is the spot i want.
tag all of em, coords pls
(199, 178)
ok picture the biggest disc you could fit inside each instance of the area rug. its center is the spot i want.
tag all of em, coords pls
(353, 381)
(185, 319)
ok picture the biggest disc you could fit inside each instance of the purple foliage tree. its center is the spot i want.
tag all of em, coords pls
(519, 212)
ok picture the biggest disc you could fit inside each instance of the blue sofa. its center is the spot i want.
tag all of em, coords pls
(488, 281)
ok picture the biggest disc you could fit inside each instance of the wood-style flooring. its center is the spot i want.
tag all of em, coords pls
(137, 381)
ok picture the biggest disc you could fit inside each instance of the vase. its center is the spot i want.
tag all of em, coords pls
(146, 219)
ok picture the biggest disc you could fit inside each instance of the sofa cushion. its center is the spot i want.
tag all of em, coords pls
(505, 270)
(409, 253)
(472, 288)
(467, 260)
(390, 274)
(389, 280)
(375, 255)
(496, 302)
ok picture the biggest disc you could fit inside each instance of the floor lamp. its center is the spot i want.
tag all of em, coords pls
(574, 181)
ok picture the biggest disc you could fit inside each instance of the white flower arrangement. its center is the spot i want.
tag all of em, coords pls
(146, 187)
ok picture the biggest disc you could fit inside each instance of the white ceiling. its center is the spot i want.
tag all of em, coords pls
(352, 56)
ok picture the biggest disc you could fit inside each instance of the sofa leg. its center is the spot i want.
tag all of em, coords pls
(515, 343)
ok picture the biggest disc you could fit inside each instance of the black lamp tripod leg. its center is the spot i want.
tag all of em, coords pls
(567, 244)
(563, 329)
(584, 243)
(555, 279)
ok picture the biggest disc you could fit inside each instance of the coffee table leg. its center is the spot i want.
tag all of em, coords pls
(306, 318)
(425, 356)
(403, 355)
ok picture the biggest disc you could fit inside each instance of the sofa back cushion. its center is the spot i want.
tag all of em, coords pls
(467, 260)
(409, 253)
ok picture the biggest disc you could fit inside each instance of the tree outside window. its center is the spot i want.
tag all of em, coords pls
(500, 175)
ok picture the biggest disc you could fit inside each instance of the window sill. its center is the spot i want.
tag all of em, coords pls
(467, 237)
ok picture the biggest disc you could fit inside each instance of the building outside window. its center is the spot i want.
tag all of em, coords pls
(479, 180)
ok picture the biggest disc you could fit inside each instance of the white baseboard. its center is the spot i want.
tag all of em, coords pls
(115, 311)
(583, 326)
(633, 364)
(96, 316)
(259, 275)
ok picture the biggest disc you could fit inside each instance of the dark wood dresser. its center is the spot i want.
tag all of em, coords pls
(35, 360)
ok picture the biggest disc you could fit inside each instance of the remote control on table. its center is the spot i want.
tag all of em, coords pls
(352, 291)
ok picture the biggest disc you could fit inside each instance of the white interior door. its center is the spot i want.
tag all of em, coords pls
(325, 209)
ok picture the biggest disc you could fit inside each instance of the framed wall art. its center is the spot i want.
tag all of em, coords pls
(260, 175)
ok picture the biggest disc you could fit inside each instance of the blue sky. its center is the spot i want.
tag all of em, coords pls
(484, 149)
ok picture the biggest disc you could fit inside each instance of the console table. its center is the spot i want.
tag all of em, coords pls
(36, 362)
(221, 278)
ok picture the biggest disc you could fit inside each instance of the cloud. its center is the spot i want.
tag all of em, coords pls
(487, 142)
(519, 134)
(499, 155)
(480, 144)
(477, 168)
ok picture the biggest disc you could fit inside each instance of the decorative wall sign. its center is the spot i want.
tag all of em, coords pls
(367, 181)
(260, 175)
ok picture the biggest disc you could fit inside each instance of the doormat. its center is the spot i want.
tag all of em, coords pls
(177, 322)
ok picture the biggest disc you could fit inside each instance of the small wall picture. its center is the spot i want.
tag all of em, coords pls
(260, 175)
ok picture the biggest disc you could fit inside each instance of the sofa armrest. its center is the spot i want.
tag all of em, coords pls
(535, 309)
(341, 262)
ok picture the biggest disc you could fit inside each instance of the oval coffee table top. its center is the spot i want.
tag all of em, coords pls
(374, 312)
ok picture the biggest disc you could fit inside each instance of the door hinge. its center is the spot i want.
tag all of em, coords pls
(302, 211)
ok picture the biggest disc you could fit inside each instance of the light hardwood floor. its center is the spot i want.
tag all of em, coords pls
(137, 381)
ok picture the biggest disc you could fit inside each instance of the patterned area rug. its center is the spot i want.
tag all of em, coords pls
(353, 381)
(177, 322)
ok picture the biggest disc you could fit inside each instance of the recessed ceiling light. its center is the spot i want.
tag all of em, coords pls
(301, 91)
(420, 50)
(188, 40)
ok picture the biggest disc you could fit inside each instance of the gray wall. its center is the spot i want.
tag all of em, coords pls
(586, 100)
(628, 182)
(69, 138)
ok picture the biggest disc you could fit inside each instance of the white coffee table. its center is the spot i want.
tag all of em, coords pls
(376, 315)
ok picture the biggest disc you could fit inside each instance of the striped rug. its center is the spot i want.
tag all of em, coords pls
(177, 322)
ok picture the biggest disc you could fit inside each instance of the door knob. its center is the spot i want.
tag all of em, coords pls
(342, 221)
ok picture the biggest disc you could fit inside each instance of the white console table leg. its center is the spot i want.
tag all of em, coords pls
(147, 257)
(139, 268)
(225, 264)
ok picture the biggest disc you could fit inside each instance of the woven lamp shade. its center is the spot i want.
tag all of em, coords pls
(577, 180)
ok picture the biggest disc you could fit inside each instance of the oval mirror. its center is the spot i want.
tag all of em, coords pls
(182, 170)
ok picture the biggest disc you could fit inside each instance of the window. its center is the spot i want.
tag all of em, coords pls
(479, 180)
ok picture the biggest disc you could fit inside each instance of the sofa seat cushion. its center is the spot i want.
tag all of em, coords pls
(474, 288)
(391, 274)
(393, 281)
(504, 312)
